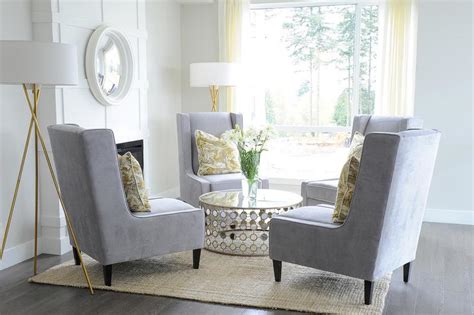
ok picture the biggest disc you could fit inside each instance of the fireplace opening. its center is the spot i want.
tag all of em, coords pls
(134, 147)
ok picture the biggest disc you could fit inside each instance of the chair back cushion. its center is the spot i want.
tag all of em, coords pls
(89, 178)
(390, 196)
(366, 124)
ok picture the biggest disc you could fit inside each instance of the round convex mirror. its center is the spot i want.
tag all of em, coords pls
(109, 65)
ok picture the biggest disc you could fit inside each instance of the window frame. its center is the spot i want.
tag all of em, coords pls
(275, 4)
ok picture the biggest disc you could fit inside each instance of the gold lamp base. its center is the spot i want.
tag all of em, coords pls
(214, 90)
(38, 136)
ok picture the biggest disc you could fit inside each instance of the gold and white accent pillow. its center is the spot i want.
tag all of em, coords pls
(347, 179)
(216, 155)
(133, 183)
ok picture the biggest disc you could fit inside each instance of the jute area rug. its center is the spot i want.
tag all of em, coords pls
(233, 280)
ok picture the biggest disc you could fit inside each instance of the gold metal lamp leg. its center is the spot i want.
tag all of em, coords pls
(36, 93)
(56, 186)
(214, 90)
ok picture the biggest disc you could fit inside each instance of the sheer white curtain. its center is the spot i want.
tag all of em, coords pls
(396, 82)
(233, 27)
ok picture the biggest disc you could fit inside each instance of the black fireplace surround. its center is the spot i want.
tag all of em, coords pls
(134, 147)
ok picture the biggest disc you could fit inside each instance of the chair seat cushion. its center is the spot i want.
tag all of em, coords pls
(224, 181)
(321, 214)
(323, 190)
(229, 181)
(161, 206)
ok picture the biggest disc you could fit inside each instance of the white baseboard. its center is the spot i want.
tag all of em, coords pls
(449, 216)
(19, 253)
(55, 246)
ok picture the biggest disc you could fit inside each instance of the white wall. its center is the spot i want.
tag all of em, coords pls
(444, 100)
(164, 94)
(15, 23)
(199, 43)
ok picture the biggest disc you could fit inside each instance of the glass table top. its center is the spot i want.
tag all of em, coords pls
(266, 199)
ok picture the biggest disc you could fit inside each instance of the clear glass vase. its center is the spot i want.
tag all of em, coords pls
(249, 188)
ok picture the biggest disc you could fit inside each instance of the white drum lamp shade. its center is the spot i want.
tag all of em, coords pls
(207, 74)
(42, 63)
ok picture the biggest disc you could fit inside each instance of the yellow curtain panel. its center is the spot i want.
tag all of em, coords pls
(398, 58)
(233, 28)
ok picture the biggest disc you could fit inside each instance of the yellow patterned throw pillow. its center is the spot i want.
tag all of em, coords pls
(133, 183)
(347, 179)
(216, 155)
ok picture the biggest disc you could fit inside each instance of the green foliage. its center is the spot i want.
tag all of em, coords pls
(366, 101)
(345, 40)
(366, 105)
(304, 88)
(307, 35)
(269, 108)
(249, 163)
(250, 143)
(341, 109)
(369, 40)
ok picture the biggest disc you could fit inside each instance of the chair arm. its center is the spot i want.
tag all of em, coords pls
(155, 234)
(304, 192)
(193, 187)
(334, 248)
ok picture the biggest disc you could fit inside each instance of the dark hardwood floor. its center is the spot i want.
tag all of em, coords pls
(441, 282)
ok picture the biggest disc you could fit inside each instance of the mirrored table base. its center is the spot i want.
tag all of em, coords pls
(241, 232)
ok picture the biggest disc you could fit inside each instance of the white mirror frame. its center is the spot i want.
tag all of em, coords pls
(91, 70)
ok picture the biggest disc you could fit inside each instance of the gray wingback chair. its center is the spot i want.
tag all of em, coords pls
(91, 186)
(324, 191)
(382, 229)
(191, 185)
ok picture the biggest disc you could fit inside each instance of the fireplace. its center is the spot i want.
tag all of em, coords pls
(134, 147)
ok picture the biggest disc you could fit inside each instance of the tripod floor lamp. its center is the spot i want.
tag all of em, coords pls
(32, 64)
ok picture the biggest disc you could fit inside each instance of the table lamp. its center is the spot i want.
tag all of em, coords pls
(213, 75)
(32, 64)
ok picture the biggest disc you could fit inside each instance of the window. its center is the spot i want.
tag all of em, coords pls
(313, 68)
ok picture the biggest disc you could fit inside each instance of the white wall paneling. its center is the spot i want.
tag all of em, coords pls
(73, 21)
(164, 95)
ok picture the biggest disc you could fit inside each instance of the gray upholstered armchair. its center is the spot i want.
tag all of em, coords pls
(191, 185)
(89, 178)
(382, 229)
(324, 191)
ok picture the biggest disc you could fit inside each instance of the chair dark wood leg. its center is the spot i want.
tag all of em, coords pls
(368, 289)
(196, 258)
(277, 270)
(406, 272)
(107, 275)
(77, 261)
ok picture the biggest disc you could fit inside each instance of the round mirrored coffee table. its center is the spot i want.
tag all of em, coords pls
(236, 225)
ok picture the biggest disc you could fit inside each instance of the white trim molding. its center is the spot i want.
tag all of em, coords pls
(449, 216)
(17, 254)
